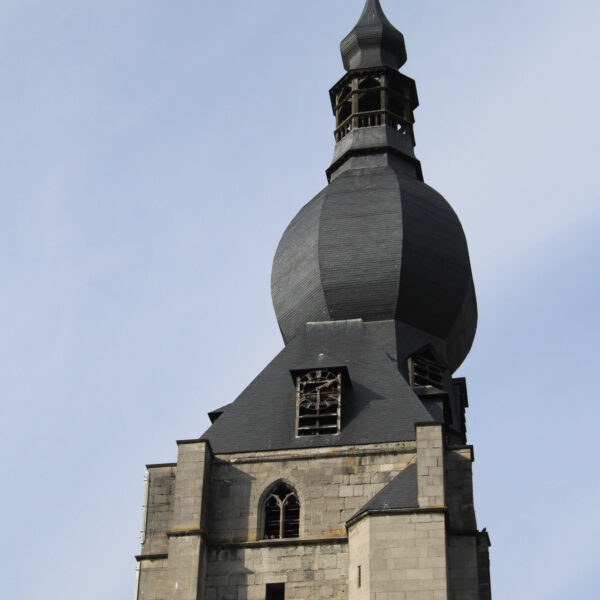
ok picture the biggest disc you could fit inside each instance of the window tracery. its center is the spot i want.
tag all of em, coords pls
(281, 513)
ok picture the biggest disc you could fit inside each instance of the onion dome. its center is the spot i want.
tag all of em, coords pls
(377, 243)
(373, 42)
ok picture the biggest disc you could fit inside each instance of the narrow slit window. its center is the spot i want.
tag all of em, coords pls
(359, 577)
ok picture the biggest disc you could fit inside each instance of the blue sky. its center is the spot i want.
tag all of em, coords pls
(152, 154)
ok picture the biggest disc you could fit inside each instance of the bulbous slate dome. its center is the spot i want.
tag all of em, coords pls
(377, 243)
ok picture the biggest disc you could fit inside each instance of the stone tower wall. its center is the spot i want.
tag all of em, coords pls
(401, 556)
(332, 485)
(466, 578)
(158, 509)
(203, 529)
(317, 571)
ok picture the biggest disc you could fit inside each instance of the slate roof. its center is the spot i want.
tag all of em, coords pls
(401, 492)
(373, 41)
(376, 245)
(379, 407)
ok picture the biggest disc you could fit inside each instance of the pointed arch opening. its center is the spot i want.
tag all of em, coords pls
(344, 112)
(344, 92)
(369, 101)
(281, 509)
(368, 82)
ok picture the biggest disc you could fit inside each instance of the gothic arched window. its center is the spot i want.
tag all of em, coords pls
(282, 513)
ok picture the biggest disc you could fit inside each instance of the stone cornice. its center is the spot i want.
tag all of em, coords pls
(396, 511)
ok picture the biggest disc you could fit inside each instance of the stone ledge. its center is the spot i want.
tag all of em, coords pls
(284, 542)
(405, 447)
(141, 557)
(185, 532)
(396, 511)
(196, 441)
(459, 447)
(430, 424)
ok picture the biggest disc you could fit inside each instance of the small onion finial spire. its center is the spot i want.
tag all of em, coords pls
(374, 41)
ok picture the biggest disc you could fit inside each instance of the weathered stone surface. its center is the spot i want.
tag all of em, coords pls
(326, 485)
(430, 465)
(400, 556)
(159, 508)
(316, 571)
(186, 572)
(152, 583)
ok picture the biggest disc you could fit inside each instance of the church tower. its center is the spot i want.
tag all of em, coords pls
(343, 470)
